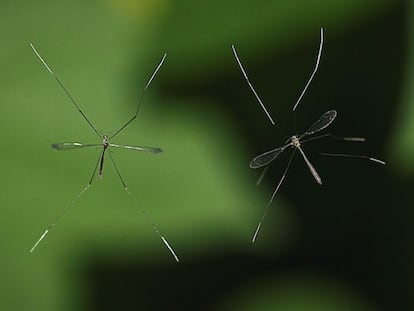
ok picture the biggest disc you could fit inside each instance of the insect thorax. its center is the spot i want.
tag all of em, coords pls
(295, 141)
(105, 141)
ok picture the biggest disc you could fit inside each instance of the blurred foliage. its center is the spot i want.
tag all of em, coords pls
(303, 293)
(103, 254)
(402, 146)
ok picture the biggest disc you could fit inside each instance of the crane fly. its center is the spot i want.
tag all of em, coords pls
(296, 141)
(105, 146)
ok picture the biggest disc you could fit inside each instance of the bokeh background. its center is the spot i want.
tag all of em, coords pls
(346, 245)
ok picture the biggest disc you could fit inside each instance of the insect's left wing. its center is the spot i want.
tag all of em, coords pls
(72, 145)
(267, 157)
(138, 148)
(323, 122)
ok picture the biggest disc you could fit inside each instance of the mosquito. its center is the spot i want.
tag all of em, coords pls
(296, 141)
(105, 145)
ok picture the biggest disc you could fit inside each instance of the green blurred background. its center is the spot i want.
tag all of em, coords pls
(343, 246)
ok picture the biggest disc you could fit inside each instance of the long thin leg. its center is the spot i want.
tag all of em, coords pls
(63, 212)
(143, 211)
(271, 199)
(356, 139)
(96, 166)
(352, 156)
(313, 73)
(311, 168)
(250, 85)
(262, 175)
(117, 171)
(65, 90)
(142, 97)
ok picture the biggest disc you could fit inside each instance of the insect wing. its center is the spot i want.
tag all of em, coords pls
(72, 145)
(138, 148)
(323, 122)
(267, 157)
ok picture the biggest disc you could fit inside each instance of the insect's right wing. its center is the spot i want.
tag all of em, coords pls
(72, 145)
(267, 157)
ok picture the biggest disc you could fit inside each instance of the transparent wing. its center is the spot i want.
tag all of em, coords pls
(138, 148)
(267, 157)
(72, 145)
(322, 123)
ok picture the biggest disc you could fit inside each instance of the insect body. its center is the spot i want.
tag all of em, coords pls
(296, 141)
(105, 146)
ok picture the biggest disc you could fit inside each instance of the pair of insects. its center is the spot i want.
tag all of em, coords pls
(261, 161)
